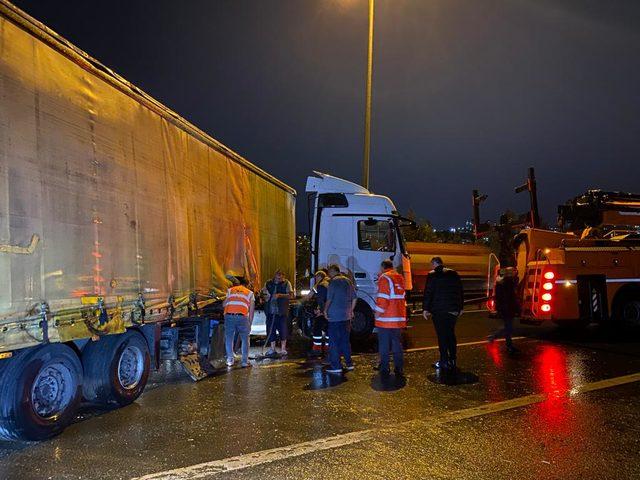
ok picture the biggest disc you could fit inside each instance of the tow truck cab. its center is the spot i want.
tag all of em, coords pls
(356, 230)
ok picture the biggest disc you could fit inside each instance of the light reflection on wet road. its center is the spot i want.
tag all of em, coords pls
(178, 423)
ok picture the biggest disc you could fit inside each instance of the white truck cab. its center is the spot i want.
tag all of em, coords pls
(355, 229)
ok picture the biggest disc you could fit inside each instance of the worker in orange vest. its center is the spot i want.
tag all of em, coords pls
(238, 316)
(391, 317)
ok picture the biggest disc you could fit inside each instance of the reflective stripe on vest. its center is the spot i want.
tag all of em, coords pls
(238, 301)
(390, 306)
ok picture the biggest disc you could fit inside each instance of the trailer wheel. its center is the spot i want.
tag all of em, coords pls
(40, 390)
(362, 323)
(116, 368)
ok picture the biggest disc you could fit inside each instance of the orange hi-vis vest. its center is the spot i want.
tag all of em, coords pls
(239, 300)
(391, 308)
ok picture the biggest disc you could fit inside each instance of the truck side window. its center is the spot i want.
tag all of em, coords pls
(376, 235)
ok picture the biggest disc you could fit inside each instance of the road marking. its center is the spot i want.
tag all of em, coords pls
(607, 383)
(249, 460)
(277, 364)
(465, 344)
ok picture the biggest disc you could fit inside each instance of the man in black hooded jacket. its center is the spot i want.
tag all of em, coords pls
(444, 300)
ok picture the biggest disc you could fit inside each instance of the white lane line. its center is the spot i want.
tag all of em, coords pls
(607, 383)
(249, 460)
(406, 350)
(465, 344)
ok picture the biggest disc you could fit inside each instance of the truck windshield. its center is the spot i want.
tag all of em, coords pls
(376, 235)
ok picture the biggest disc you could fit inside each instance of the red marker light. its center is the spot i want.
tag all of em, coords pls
(546, 297)
(545, 308)
(547, 286)
(549, 275)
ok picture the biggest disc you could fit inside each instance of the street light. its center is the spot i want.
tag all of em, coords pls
(367, 108)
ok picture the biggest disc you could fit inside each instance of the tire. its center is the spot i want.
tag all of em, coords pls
(305, 321)
(362, 323)
(116, 369)
(40, 391)
(630, 313)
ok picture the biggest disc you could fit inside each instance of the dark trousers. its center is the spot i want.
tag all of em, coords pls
(390, 337)
(277, 327)
(445, 325)
(319, 332)
(339, 344)
(506, 331)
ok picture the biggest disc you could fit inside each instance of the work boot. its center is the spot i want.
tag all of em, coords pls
(439, 364)
(511, 350)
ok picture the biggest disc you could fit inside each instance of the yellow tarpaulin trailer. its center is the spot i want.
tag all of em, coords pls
(106, 192)
(117, 216)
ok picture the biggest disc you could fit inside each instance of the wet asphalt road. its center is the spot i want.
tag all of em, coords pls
(545, 413)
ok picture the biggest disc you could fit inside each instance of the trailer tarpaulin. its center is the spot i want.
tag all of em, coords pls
(106, 193)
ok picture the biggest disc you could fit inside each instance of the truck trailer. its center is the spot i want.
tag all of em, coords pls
(118, 223)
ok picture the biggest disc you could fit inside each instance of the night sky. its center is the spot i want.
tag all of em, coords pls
(467, 93)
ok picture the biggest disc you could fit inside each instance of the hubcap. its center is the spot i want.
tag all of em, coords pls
(52, 390)
(130, 367)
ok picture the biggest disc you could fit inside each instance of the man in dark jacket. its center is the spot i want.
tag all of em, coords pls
(507, 305)
(444, 300)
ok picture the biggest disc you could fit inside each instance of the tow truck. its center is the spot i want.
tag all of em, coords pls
(585, 271)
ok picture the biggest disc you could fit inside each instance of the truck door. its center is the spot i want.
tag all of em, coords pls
(592, 297)
(375, 241)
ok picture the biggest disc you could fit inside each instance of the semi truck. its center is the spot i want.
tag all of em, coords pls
(585, 271)
(119, 223)
(355, 229)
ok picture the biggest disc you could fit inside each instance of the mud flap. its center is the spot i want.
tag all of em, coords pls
(199, 367)
(196, 367)
(592, 298)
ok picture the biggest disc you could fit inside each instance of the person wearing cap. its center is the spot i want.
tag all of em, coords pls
(278, 292)
(319, 330)
(507, 305)
(238, 315)
(444, 300)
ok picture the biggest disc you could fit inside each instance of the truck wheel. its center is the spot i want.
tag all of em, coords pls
(305, 321)
(630, 313)
(116, 368)
(40, 390)
(362, 323)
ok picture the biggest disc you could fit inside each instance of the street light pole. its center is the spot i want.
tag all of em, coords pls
(367, 112)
